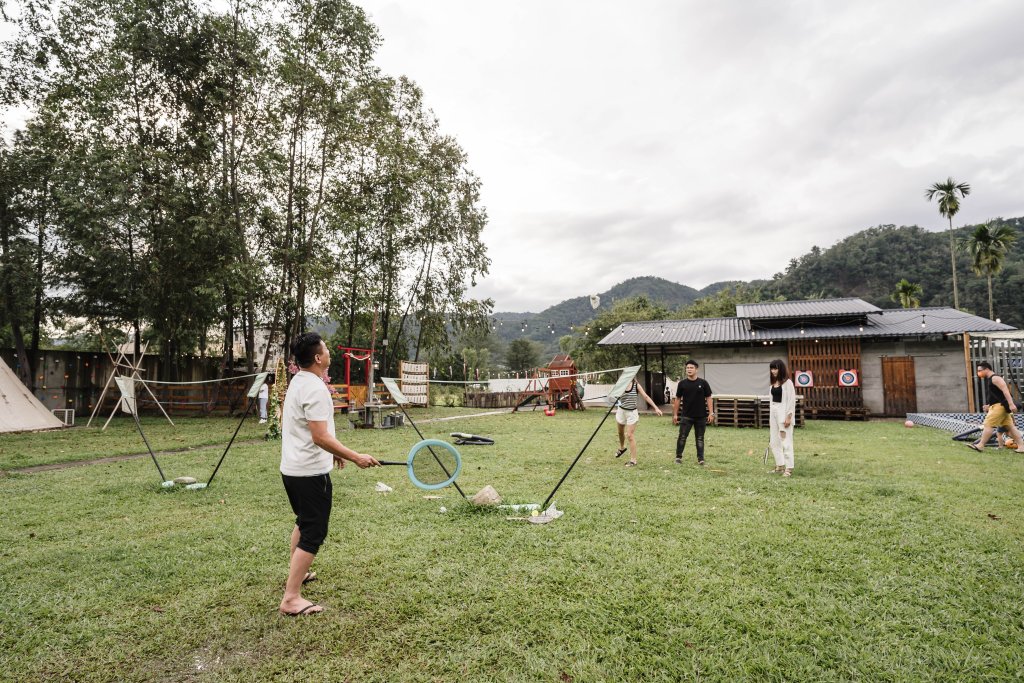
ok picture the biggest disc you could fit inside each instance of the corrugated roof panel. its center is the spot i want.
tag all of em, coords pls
(887, 323)
(803, 309)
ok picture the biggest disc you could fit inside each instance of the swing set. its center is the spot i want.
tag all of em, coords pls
(345, 395)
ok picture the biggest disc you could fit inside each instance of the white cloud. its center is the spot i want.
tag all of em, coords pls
(707, 141)
(710, 141)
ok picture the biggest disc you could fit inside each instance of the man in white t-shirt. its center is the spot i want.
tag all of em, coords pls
(309, 450)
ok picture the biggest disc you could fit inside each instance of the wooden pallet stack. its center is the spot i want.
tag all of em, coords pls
(737, 411)
(750, 411)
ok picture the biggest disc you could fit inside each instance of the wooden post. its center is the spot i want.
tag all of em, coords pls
(970, 374)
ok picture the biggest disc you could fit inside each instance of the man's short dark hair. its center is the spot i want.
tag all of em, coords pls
(984, 365)
(693, 363)
(305, 347)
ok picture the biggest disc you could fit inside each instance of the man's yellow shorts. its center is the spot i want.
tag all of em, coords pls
(998, 416)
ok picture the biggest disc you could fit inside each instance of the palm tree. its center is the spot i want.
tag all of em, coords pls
(987, 246)
(907, 294)
(949, 205)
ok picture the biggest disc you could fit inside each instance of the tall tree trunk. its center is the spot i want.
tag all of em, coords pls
(385, 321)
(363, 192)
(229, 332)
(352, 289)
(309, 217)
(37, 307)
(991, 310)
(952, 262)
(25, 373)
(425, 275)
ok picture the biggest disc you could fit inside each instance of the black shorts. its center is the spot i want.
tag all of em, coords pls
(311, 502)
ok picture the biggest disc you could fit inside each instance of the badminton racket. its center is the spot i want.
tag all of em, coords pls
(399, 398)
(432, 464)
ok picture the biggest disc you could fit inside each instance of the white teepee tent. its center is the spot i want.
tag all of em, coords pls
(20, 411)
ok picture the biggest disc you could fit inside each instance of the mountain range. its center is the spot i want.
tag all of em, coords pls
(558, 320)
(867, 264)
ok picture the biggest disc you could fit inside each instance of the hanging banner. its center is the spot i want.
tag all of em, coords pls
(848, 378)
(803, 378)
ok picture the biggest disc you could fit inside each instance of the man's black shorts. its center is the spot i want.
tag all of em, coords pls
(311, 502)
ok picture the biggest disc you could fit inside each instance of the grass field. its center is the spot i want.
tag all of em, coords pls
(891, 555)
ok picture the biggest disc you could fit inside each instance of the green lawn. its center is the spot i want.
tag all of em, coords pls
(892, 554)
(122, 438)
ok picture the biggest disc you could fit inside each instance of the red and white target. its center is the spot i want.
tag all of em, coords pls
(848, 378)
(803, 378)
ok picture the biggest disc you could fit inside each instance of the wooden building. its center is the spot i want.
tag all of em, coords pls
(853, 359)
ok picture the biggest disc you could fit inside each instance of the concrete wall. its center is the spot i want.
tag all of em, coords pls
(752, 363)
(938, 369)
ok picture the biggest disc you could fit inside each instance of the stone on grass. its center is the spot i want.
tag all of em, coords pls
(486, 496)
(184, 480)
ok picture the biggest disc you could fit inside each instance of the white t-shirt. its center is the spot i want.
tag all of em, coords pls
(307, 399)
(264, 391)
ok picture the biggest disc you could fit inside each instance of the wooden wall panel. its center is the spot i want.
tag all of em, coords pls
(824, 358)
(899, 385)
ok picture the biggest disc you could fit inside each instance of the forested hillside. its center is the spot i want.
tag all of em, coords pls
(869, 263)
(552, 323)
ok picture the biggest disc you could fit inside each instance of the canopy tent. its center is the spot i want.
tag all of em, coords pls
(20, 411)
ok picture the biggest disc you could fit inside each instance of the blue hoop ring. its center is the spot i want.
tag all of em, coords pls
(429, 443)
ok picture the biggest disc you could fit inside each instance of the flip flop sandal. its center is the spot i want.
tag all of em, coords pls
(630, 464)
(305, 611)
(975, 447)
(618, 453)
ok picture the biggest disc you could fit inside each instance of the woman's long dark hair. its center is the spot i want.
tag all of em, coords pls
(783, 372)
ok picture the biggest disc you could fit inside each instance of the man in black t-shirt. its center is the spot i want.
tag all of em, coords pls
(692, 408)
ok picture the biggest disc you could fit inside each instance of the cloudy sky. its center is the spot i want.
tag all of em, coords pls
(707, 141)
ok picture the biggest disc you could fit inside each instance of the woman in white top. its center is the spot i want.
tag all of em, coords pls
(782, 417)
(627, 416)
(264, 396)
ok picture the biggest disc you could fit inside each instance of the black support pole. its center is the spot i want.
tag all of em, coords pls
(248, 408)
(552, 494)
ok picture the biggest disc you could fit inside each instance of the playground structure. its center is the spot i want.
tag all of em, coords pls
(563, 387)
(346, 396)
(557, 384)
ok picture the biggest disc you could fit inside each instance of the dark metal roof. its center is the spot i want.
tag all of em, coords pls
(678, 335)
(806, 309)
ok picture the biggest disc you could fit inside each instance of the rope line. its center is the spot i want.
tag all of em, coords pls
(205, 381)
(584, 375)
